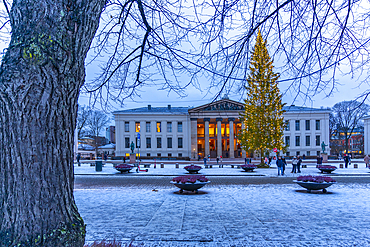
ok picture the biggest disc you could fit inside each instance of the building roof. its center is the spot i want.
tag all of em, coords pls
(208, 107)
(294, 108)
(108, 146)
(149, 109)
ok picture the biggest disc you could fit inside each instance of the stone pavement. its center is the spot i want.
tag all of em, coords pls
(227, 215)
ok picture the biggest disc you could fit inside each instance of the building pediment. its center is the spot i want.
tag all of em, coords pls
(220, 105)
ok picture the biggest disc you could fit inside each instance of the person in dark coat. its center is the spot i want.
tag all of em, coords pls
(78, 158)
(319, 160)
(284, 161)
(299, 164)
(280, 165)
(346, 160)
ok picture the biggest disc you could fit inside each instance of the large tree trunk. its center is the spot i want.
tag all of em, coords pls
(40, 78)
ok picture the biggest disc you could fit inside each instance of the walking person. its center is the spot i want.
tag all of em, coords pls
(270, 161)
(346, 160)
(284, 162)
(205, 161)
(294, 164)
(299, 164)
(280, 165)
(319, 160)
(366, 159)
(78, 158)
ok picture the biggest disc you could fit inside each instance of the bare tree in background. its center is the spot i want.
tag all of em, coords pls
(83, 114)
(96, 122)
(347, 117)
(154, 43)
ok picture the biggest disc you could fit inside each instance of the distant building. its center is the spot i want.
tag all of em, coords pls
(355, 142)
(366, 135)
(211, 129)
(111, 134)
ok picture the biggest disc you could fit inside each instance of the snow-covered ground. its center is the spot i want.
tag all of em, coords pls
(227, 215)
(248, 215)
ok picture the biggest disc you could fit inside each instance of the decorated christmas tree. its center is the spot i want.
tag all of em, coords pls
(262, 117)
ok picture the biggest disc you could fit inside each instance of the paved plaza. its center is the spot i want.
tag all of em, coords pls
(234, 210)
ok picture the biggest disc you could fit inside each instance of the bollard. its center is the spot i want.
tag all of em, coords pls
(98, 165)
(304, 166)
(340, 165)
(177, 165)
(355, 165)
(162, 165)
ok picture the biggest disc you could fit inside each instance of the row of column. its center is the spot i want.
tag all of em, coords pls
(194, 136)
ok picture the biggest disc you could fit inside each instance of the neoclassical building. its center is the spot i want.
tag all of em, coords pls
(211, 129)
(366, 135)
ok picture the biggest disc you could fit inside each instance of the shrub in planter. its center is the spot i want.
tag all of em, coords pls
(190, 179)
(326, 168)
(249, 167)
(315, 182)
(316, 179)
(192, 168)
(190, 182)
(105, 243)
(123, 167)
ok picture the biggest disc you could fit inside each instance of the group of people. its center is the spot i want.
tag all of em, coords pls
(281, 163)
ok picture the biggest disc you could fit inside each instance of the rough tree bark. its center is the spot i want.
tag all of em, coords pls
(40, 77)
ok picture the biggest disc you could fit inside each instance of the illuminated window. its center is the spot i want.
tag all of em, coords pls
(158, 126)
(137, 127)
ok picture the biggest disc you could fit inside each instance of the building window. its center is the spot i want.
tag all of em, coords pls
(297, 141)
(287, 125)
(169, 155)
(308, 141)
(137, 126)
(169, 142)
(127, 142)
(317, 124)
(148, 142)
(287, 140)
(159, 142)
(297, 125)
(158, 126)
(307, 124)
(159, 154)
(298, 153)
(287, 153)
(179, 142)
(169, 127)
(127, 127)
(317, 140)
(318, 153)
(148, 154)
(308, 153)
(147, 126)
(179, 127)
(179, 155)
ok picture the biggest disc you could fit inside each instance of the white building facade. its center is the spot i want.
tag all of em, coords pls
(162, 131)
(211, 129)
(366, 135)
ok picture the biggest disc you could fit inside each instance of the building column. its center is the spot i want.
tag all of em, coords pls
(231, 137)
(194, 138)
(206, 136)
(219, 137)
(244, 153)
